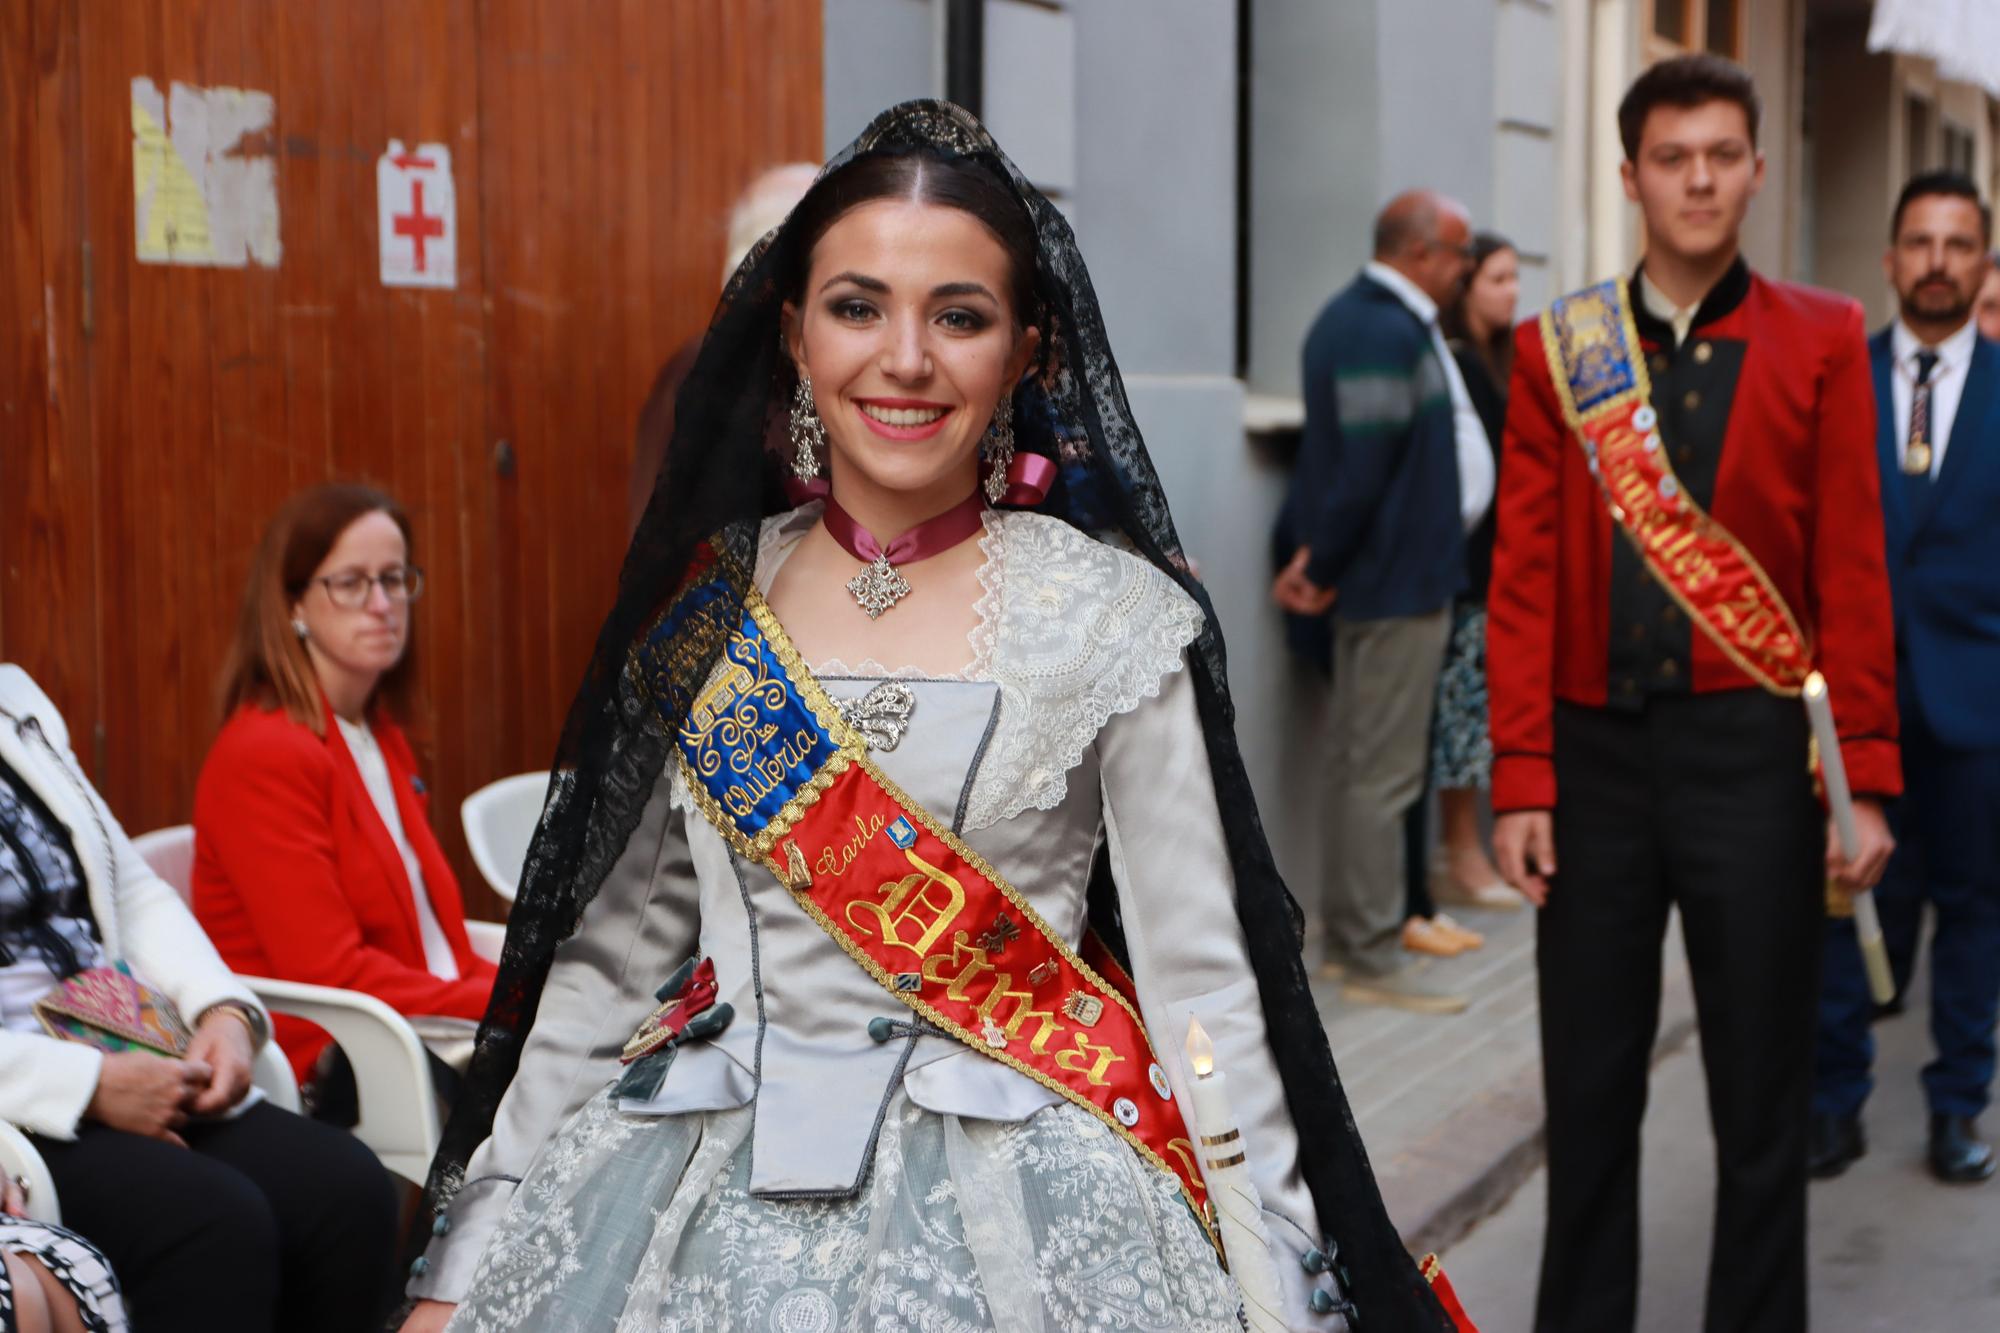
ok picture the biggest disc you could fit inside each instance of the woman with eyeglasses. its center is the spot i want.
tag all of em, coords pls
(314, 857)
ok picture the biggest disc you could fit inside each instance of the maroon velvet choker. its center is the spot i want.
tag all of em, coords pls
(879, 586)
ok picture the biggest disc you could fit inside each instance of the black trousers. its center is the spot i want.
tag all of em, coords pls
(1417, 862)
(263, 1223)
(1701, 803)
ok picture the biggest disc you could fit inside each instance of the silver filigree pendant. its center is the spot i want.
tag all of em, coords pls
(882, 715)
(878, 587)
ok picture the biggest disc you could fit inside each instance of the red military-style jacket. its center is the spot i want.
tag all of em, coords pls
(297, 877)
(1767, 409)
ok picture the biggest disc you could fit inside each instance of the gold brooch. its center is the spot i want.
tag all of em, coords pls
(796, 876)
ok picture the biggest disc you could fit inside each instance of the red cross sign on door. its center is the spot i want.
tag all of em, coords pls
(417, 216)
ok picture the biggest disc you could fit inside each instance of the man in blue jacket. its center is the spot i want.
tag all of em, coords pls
(1937, 394)
(1376, 518)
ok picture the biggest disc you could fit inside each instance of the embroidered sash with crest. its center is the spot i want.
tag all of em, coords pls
(1599, 371)
(788, 782)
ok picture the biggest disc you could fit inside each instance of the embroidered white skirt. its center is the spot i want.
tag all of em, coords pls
(646, 1225)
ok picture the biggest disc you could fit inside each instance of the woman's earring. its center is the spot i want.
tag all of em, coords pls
(807, 430)
(999, 448)
(299, 626)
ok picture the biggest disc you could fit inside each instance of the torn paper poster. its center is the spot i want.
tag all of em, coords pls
(416, 214)
(204, 178)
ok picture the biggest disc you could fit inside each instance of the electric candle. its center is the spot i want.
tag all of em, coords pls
(1239, 1211)
(1840, 801)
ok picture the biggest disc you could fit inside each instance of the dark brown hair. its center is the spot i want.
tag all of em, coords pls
(931, 179)
(1941, 184)
(1497, 351)
(1686, 82)
(267, 664)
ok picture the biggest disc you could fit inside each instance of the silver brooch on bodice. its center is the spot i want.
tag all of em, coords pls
(882, 715)
(878, 587)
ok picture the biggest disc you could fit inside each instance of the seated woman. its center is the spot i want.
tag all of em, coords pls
(216, 1210)
(314, 858)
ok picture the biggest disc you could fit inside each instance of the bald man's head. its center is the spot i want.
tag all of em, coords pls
(1426, 236)
(1410, 220)
(764, 204)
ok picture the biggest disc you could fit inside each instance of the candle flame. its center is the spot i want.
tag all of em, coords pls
(1815, 685)
(1201, 1051)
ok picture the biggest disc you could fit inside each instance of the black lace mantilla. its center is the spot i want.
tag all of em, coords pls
(704, 514)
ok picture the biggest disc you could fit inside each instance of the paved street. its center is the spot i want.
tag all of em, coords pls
(1451, 1107)
(1891, 1248)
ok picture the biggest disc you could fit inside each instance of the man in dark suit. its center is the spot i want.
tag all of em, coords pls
(1375, 520)
(1937, 395)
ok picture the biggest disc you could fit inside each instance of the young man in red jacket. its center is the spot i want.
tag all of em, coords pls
(1688, 525)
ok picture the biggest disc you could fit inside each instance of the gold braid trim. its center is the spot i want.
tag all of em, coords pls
(853, 751)
(1699, 521)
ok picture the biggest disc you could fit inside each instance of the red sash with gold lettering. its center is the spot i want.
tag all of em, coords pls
(787, 782)
(1600, 377)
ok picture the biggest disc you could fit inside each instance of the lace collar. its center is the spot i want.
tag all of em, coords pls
(780, 536)
(1072, 630)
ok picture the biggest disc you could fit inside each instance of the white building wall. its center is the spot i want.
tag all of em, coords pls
(1773, 56)
(874, 54)
(1527, 116)
(1856, 168)
(1317, 175)
(1862, 154)
(1124, 111)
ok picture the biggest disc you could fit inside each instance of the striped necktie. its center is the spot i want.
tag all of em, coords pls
(1919, 449)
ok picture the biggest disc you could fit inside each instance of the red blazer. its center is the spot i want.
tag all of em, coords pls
(1798, 485)
(297, 877)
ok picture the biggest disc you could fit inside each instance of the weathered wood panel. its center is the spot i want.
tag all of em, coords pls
(153, 416)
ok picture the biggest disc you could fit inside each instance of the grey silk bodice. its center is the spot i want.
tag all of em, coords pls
(1074, 727)
(804, 1008)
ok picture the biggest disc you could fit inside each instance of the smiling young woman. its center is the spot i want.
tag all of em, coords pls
(937, 784)
(909, 332)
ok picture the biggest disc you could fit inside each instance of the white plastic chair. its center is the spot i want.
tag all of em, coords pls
(392, 1076)
(499, 821)
(170, 852)
(486, 937)
(19, 1158)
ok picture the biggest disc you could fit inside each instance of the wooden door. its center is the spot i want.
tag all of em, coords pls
(152, 415)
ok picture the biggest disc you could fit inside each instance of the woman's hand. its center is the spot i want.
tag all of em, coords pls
(13, 1199)
(428, 1317)
(222, 1042)
(146, 1094)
